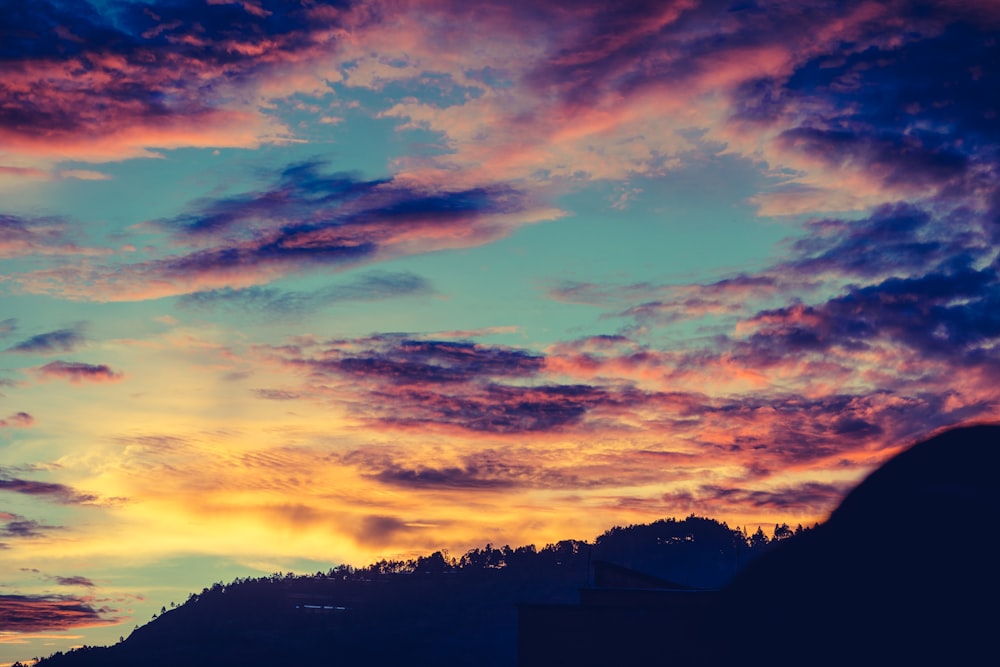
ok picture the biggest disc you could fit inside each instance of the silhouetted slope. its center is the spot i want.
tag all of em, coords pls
(904, 572)
(429, 611)
(412, 619)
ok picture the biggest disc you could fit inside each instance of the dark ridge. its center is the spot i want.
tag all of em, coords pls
(904, 572)
(434, 610)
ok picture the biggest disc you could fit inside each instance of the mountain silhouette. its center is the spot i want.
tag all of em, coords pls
(905, 571)
(433, 610)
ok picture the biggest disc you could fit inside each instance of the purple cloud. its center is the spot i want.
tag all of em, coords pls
(938, 315)
(75, 581)
(412, 382)
(59, 493)
(109, 85)
(75, 371)
(60, 340)
(20, 527)
(510, 469)
(41, 613)
(404, 362)
(811, 497)
(913, 108)
(495, 408)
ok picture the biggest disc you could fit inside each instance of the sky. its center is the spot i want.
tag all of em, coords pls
(294, 283)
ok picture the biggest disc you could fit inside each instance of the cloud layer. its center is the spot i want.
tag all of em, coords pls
(352, 339)
(108, 86)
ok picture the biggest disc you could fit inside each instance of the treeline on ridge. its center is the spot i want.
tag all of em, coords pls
(434, 609)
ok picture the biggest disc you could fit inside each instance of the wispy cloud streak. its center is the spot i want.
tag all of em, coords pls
(17, 420)
(454, 384)
(20, 236)
(42, 613)
(78, 371)
(60, 340)
(372, 286)
(59, 493)
(309, 220)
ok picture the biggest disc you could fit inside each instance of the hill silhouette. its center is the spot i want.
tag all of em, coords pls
(905, 570)
(433, 610)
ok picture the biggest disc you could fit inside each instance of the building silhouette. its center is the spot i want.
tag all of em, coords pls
(625, 617)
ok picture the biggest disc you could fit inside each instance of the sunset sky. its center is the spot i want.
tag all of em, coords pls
(294, 283)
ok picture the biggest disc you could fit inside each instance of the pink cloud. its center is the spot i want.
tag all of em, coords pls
(183, 77)
(23, 172)
(77, 372)
(17, 420)
(616, 90)
(597, 90)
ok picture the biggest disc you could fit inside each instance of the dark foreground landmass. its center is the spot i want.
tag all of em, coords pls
(434, 610)
(904, 571)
